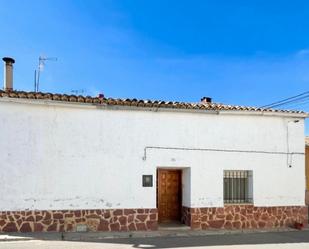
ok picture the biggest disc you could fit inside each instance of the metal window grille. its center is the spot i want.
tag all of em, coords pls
(236, 186)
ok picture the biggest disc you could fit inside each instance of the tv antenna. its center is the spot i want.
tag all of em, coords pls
(37, 72)
(78, 91)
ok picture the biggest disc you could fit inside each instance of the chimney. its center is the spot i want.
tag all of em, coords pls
(206, 100)
(8, 74)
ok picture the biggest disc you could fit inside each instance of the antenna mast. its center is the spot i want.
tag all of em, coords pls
(37, 72)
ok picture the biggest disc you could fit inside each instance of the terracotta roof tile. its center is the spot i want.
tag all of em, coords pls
(136, 102)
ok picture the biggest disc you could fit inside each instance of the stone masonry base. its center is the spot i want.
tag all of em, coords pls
(67, 220)
(227, 217)
(244, 217)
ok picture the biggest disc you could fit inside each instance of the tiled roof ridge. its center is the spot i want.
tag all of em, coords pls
(135, 102)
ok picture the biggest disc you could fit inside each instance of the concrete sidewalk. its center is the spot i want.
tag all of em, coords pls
(97, 236)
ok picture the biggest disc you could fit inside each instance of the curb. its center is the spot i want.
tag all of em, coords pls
(97, 236)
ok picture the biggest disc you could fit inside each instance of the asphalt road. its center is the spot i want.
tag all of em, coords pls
(273, 240)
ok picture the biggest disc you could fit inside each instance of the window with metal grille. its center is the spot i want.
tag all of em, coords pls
(237, 186)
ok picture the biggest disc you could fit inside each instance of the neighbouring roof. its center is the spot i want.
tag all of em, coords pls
(307, 141)
(136, 102)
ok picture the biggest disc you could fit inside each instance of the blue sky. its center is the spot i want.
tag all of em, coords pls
(237, 52)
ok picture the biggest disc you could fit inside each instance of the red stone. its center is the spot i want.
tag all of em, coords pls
(220, 211)
(114, 227)
(30, 218)
(243, 212)
(93, 216)
(220, 216)
(47, 216)
(236, 224)
(69, 228)
(38, 218)
(11, 218)
(204, 218)
(229, 209)
(68, 215)
(269, 224)
(57, 216)
(140, 211)
(195, 217)
(123, 220)
(264, 217)
(123, 228)
(256, 216)
(237, 217)
(249, 211)
(261, 224)
(16, 216)
(304, 211)
(229, 217)
(2, 222)
(80, 220)
(38, 227)
(103, 226)
(153, 216)
(142, 217)
(19, 222)
(118, 212)
(25, 228)
(204, 210)
(77, 213)
(107, 214)
(3, 216)
(46, 222)
(141, 227)
(52, 227)
(216, 223)
(228, 225)
(130, 218)
(132, 227)
(10, 227)
(128, 211)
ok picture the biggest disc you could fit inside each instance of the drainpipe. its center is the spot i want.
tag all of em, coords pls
(289, 162)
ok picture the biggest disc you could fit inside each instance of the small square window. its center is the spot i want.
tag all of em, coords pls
(147, 181)
(238, 186)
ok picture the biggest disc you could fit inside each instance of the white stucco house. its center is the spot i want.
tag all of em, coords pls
(126, 164)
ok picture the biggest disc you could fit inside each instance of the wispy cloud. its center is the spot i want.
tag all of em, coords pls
(302, 52)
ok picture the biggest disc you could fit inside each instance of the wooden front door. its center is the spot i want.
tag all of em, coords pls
(169, 195)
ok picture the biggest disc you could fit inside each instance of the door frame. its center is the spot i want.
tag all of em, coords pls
(179, 170)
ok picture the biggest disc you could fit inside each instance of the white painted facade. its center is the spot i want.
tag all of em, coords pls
(79, 156)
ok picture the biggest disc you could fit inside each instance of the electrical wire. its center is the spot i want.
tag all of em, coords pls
(300, 96)
(297, 104)
(218, 150)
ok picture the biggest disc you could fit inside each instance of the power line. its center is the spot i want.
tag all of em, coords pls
(290, 101)
(302, 103)
(298, 97)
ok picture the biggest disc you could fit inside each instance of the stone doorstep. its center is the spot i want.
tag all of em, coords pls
(96, 236)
